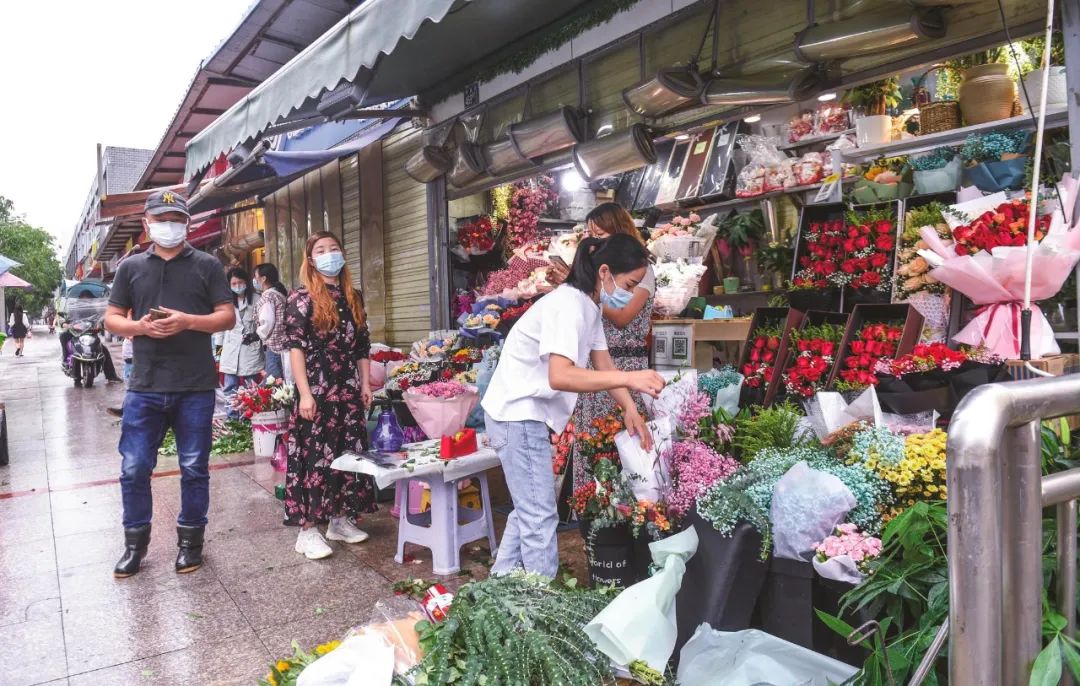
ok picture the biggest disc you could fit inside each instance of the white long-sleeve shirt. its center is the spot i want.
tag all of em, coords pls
(266, 319)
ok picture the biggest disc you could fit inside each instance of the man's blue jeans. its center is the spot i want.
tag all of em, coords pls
(273, 364)
(146, 418)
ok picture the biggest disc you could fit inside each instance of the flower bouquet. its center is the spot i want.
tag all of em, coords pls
(382, 362)
(872, 343)
(814, 348)
(815, 285)
(682, 238)
(411, 373)
(676, 283)
(995, 160)
(987, 263)
(694, 467)
(484, 318)
(435, 347)
(519, 268)
(273, 395)
(440, 408)
(868, 244)
(919, 381)
(477, 237)
(764, 357)
(846, 554)
(937, 171)
(887, 179)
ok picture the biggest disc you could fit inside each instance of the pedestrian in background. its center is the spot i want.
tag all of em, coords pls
(329, 344)
(179, 297)
(270, 324)
(19, 326)
(241, 349)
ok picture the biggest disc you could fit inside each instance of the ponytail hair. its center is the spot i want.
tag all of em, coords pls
(622, 253)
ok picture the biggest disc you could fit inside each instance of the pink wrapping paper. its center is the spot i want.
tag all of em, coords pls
(996, 282)
(441, 416)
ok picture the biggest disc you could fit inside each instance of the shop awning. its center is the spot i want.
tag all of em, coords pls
(389, 49)
(274, 169)
(7, 263)
(9, 280)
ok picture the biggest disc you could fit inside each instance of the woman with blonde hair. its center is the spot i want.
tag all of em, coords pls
(328, 344)
(626, 325)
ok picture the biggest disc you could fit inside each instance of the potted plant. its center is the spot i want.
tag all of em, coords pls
(1034, 74)
(874, 99)
(738, 233)
(774, 259)
(987, 92)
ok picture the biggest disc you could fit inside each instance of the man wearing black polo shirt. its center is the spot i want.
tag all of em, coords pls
(179, 297)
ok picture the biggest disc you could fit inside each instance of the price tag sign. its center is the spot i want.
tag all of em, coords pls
(831, 190)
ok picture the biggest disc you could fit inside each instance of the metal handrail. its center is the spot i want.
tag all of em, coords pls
(996, 495)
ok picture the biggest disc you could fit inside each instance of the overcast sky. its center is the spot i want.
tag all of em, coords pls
(75, 74)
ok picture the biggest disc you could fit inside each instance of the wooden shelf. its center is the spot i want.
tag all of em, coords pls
(813, 140)
(1055, 118)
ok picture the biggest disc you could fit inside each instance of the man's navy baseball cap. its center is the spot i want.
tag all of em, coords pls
(161, 202)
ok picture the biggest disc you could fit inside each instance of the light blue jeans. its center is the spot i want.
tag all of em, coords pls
(529, 540)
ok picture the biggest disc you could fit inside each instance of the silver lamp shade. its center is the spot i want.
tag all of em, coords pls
(428, 164)
(761, 89)
(868, 34)
(615, 153)
(503, 157)
(669, 90)
(467, 165)
(546, 134)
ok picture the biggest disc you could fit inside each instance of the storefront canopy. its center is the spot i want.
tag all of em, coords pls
(389, 49)
(9, 280)
(274, 169)
(6, 263)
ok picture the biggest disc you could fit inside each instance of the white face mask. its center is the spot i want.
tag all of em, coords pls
(167, 234)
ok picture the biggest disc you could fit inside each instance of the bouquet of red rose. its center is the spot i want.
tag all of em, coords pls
(920, 381)
(874, 342)
(868, 244)
(272, 395)
(758, 372)
(477, 237)
(824, 249)
(1005, 225)
(814, 350)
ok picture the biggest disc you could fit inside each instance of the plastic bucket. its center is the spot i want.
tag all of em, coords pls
(265, 428)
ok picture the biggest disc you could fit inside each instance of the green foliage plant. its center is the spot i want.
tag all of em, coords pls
(515, 630)
(877, 97)
(770, 427)
(36, 249)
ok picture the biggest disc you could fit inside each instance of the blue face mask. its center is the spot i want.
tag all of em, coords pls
(330, 263)
(617, 299)
(258, 287)
(239, 290)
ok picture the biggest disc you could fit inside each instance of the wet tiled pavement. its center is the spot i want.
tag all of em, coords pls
(64, 619)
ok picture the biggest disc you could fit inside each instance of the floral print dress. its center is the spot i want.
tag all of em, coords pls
(313, 492)
(629, 351)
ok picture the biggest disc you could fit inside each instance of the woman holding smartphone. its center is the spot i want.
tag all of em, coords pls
(544, 364)
(327, 338)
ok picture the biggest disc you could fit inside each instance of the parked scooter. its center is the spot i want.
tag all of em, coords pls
(84, 355)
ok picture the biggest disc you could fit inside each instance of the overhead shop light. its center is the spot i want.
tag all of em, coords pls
(549, 133)
(869, 34)
(615, 153)
(502, 157)
(428, 164)
(669, 90)
(466, 165)
(762, 89)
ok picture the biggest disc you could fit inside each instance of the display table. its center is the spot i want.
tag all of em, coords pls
(688, 342)
(446, 526)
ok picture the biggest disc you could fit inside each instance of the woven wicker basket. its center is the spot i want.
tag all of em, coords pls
(940, 115)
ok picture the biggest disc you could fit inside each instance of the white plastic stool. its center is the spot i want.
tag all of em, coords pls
(445, 527)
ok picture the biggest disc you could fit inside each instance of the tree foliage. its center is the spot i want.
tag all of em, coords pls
(36, 249)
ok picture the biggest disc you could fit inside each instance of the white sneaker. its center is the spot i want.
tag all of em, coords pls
(312, 545)
(341, 529)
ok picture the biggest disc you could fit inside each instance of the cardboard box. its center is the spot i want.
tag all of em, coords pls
(785, 318)
(1057, 365)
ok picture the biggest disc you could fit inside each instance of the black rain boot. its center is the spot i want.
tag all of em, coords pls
(135, 541)
(190, 542)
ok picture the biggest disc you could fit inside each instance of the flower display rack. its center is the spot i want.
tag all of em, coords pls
(785, 318)
(879, 314)
(812, 318)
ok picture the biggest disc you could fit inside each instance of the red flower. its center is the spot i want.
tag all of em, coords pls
(871, 278)
(878, 260)
(773, 343)
(884, 242)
